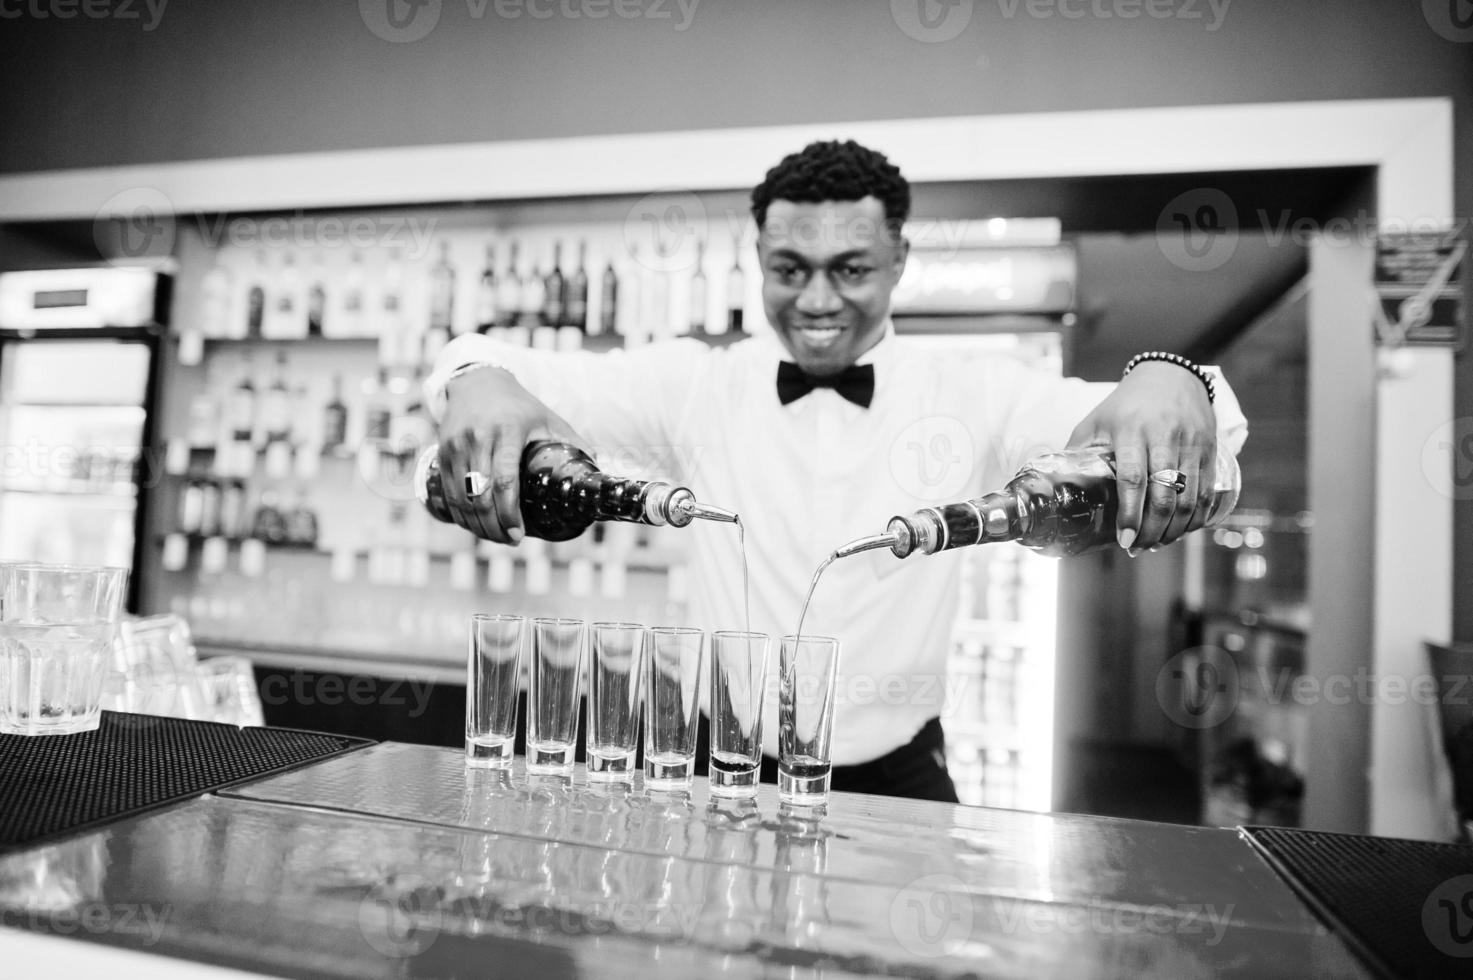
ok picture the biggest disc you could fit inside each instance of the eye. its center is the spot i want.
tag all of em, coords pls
(853, 272)
(789, 274)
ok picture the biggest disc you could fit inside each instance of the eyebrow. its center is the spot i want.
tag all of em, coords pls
(787, 253)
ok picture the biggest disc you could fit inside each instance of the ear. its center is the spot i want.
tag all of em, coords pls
(902, 253)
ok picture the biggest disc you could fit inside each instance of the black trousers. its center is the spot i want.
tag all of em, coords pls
(916, 770)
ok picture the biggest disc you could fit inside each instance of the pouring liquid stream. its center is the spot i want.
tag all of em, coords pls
(746, 587)
(817, 574)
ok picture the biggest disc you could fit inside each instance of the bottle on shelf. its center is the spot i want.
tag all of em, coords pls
(442, 305)
(509, 291)
(255, 305)
(378, 410)
(626, 318)
(575, 302)
(609, 300)
(191, 505)
(1060, 504)
(317, 295)
(276, 405)
(563, 493)
(232, 508)
(215, 297)
(286, 317)
(534, 298)
(300, 521)
(552, 290)
(335, 419)
(209, 507)
(240, 416)
(204, 414)
(736, 289)
(697, 299)
(391, 326)
(486, 296)
(351, 311)
(269, 524)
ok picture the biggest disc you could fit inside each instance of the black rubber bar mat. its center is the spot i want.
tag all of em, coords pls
(58, 784)
(1405, 906)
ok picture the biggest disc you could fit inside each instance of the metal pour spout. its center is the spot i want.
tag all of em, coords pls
(893, 539)
(683, 508)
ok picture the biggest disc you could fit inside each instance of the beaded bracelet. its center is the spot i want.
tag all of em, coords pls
(1181, 362)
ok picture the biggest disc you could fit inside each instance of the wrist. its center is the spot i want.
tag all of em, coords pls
(1177, 361)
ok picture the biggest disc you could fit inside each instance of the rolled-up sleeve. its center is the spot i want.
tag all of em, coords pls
(618, 399)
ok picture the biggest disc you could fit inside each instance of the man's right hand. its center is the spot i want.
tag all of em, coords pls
(489, 419)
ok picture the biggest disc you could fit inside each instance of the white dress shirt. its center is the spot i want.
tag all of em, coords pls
(809, 476)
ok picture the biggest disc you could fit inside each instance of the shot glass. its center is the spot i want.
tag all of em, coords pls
(672, 706)
(493, 675)
(613, 699)
(231, 697)
(807, 668)
(57, 626)
(738, 680)
(552, 694)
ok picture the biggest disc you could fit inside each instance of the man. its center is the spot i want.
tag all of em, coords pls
(804, 451)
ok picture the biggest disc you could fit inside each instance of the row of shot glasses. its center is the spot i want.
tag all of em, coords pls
(660, 669)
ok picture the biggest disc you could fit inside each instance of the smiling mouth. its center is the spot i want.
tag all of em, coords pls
(820, 332)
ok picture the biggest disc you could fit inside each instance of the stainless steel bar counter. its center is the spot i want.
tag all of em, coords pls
(397, 861)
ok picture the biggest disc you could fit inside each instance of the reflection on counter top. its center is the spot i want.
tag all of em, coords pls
(449, 872)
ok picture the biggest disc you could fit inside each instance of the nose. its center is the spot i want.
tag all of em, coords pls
(818, 297)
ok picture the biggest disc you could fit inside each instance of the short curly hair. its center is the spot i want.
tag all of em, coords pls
(835, 171)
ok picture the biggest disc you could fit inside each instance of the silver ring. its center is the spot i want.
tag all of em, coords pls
(1173, 480)
(476, 484)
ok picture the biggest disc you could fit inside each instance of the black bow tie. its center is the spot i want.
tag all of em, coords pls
(855, 383)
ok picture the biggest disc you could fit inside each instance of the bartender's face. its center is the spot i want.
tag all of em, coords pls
(827, 273)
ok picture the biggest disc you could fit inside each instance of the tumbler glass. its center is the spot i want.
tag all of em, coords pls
(672, 707)
(57, 624)
(807, 668)
(738, 682)
(552, 694)
(613, 699)
(492, 682)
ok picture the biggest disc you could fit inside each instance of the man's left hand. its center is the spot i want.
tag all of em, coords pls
(1158, 418)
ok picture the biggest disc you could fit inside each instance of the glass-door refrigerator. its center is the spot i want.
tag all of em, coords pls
(78, 365)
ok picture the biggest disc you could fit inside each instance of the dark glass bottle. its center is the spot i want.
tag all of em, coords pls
(553, 310)
(1060, 504)
(563, 492)
(575, 306)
